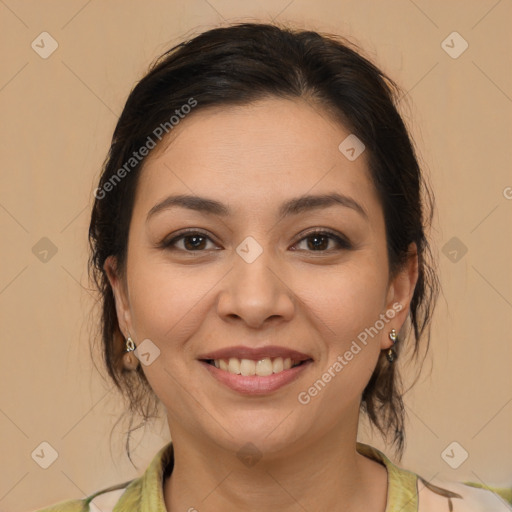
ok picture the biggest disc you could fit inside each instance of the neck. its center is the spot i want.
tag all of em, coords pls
(328, 474)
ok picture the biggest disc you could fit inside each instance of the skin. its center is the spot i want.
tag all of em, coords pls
(253, 158)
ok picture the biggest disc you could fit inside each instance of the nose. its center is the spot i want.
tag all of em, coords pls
(256, 292)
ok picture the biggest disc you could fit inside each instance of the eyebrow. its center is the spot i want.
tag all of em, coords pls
(293, 206)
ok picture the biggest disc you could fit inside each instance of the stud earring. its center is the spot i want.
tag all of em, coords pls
(391, 354)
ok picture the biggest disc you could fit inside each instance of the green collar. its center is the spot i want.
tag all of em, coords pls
(145, 494)
(402, 484)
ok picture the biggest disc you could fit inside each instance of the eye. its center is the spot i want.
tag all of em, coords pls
(193, 241)
(196, 241)
(320, 241)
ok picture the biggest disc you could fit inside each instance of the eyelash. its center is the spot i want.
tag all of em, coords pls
(343, 242)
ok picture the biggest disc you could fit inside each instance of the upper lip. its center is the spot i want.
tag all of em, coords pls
(241, 352)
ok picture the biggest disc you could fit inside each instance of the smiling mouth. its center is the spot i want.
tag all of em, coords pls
(262, 367)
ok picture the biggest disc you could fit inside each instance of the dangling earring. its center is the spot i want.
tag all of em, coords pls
(130, 361)
(391, 354)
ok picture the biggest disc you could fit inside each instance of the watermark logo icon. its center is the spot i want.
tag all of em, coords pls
(454, 45)
(352, 147)
(454, 249)
(44, 250)
(249, 249)
(44, 45)
(45, 455)
(249, 454)
(147, 352)
(454, 455)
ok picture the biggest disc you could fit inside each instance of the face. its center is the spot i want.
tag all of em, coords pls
(251, 274)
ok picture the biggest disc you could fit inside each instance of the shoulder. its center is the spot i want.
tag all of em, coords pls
(125, 497)
(408, 491)
(439, 495)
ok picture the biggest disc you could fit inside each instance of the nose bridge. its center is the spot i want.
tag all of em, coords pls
(253, 263)
(255, 291)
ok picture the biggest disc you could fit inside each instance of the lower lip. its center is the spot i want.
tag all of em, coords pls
(254, 384)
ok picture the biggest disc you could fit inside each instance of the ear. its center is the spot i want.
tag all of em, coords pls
(120, 295)
(400, 292)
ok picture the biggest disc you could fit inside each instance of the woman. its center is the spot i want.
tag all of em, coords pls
(258, 238)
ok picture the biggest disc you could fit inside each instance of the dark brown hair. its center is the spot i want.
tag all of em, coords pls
(237, 65)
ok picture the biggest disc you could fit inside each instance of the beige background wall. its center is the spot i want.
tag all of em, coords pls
(57, 117)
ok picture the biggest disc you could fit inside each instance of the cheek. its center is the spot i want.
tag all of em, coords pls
(160, 299)
(350, 298)
(168, 303)
(347, 308)
(348, 302)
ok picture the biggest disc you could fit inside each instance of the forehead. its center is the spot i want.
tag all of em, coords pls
(254, 155)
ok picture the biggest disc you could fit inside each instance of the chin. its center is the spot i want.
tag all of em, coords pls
(269, 434)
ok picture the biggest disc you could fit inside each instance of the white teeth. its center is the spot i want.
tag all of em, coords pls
(264, 367)
(277, 365)
(234, 366)
(248, 367)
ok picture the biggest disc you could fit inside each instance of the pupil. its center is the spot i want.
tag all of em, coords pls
(316, 238)
(196, 244)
